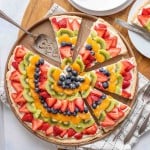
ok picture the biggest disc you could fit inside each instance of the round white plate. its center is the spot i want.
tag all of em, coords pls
(141, 44)
(105, 11)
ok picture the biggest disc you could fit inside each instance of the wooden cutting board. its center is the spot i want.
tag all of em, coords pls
(38, 8)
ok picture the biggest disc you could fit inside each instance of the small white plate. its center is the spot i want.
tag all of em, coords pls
(141, 44)
(95, 7)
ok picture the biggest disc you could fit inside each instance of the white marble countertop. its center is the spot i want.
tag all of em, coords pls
(16, 137)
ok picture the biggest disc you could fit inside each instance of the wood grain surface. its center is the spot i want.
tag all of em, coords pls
(38, 8)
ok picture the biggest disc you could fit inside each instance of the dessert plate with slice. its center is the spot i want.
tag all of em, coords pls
(85, 98)
(140, 15)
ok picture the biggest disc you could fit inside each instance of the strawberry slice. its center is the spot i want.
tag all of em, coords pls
(127, 76)
(97, 93)
(71, 106)
(42, 85)
(114, 42)
(51, 101)
(89, 100)
(20, 52)
(64, 105)
(121, 114)
(146, 11)
(15, 65)
(126, 94)
(63, 133)
(108, 43)
(78, 136)
(69, 25)
(44, 69)
(57, 131)
(123, 107)
(62, 23)
(28, 117)
(15, 76)
(106, 35)
(85, 55)
(108, 122)
(113, 116)
(127, 66)
(100, 26)
(101, 77)
(36, 123)
(71, 132)
(101, 32)
(65, 51)
(80, 104)
(55, 24)
(44, 126)
(19, 98)
(114, 51)
(17, 86)
(90, 130)
(24, 109)
(49, 131)
(125, 84)
(75, 24)
(13, 95)
(57, 105)
(143, 19)
(44, 94)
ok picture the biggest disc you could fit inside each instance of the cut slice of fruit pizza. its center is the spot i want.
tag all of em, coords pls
(66, 29)
(119, 78)
(142, 16)
(102, 44)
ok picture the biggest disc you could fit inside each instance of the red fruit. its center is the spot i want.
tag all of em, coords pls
(69, 25)
(108, 43)
(101, 32)
(57, 131)
(65, 52)
(15, 76)
(36, 123)
(108, 122)
(63, 133)
(94, 98)
(71, 132)
(121, 114)
(27, 117)
(80, 104)
(114, 51)
(85, 55)
(100, 26)
(114, 42)
(89, 100)
(127, 66)
(18, 60)
(101, 77)
(44, 69)
(43, 77)
(42, 85)
(114, 116)
(106, 35)
(55, 24)
(62, 23)
(64, 105)
(97, 93)
(44, 126)
(123, 107)
(57, 105)
(44, 94)
(17, 86)
(78, 136)
(143, 19)
(20, 52)
(126, 94)
(15, 65)
(51, 101)
(90, 130)
(13, 95)
(24, 109)
(127, 76)
(75, 24)
(125, 84)
(49, 131)
(19, 98)
(71, 106)
(146, 11)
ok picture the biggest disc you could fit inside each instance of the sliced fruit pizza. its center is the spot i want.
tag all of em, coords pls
(66, 29)
(102, 44)
(142, 16)
(119, 78)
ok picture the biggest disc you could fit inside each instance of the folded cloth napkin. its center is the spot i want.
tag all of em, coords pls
(107, 143)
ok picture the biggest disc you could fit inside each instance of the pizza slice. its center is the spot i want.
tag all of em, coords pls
(66, 29)
(142, 16)
(119, 78)
(108, 111)
(102, 44)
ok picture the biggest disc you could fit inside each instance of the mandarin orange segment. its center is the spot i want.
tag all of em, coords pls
(31, 83)
(105, 103)
(56, 74)
(75, 120)
(85, 85)
(95, 46)
(30, 71)
(99, 57)
(89, 40)
(76, 67)
(34, 59)
(64, 38)
(57, 88)
(74, 40)
(68, 91)
(84, 116)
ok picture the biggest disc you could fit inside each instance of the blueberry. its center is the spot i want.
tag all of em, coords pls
(76, 110)
(49, 109)
(45, 105)
(76, 79)
(92, 53)
(36, 85)
(73, 78)
(75, 73)
(37, 69)
(42, 101)
(72, 48)
(81, 80)
(74, 113)
(63, 85)
(77, 84)
(86, 110)
(98, 102)
(106, 73)
(56, 111)
(60, 111)
(94, 105)
(105, 85)
(69, 69)
(36, 75)
(72, 86)
(68, 81)
(37, 90)
(65, 113)
(101, 69)
(62, 78)
(68, 113)
(41, 61)
(36, 81)
(52, 110)
(68, 76)
(37, 64)
(103, 96)
(88, 47)
(41, 97)
(63, 44)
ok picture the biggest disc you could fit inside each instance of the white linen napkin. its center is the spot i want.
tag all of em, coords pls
(107, 143)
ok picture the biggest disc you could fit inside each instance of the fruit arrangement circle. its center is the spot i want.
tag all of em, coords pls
(70, 104)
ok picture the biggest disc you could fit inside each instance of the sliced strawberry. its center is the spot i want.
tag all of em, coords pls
(143, 19)
(36, 123)
(101, 77)
(20, 52)
(127, 76)
(80, 104)
(63, 133)
(125, 84)
(108, 122)
(114, 51)
(127, 66)
(65, 51)
(126, 94)
(44, 126)
(114, 116)
(49, 131)
(44, 69)
(75, 24)
(106, 35)
(90, 130)
(101, 32)
(94, 98)
(108, 43)
(71, 132)
(57, 105)
(85, 55)
(69, 25)
(44, 94)
(15, 76)
(24, 109)
(114, 42)
(64, 105)
(28, 117)
(99, 85)
(43, 78)
(57, 131)
(97, 93)
(62, 23)
(89, 100)
(71, 106)
(17, 86)
(18, 60)
(121, 114)
(146, 11)
(78, 136)
(15, 65)
(51, 101)
(42, 85)
(19, 98)
(13, 95)
(55, 24)
(123, 107)
(100, 26)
